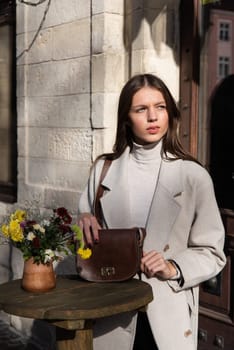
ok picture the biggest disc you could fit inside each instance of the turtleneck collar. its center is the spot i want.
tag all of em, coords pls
(146, 153)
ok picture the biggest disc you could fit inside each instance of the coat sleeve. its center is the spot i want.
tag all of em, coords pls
(204, 257)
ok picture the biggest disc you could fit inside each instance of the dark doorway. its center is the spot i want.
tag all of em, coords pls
(222, 142)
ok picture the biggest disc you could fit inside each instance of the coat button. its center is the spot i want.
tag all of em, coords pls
(166, 247)
(187, 333)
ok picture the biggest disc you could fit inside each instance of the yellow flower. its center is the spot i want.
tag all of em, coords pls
(19, 215)
(84, 253)
(5, 230)
(16, 232)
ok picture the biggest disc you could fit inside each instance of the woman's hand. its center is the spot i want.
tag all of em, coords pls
(153, 264)
(90, 226)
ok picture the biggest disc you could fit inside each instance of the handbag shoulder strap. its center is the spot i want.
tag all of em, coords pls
(100, 190)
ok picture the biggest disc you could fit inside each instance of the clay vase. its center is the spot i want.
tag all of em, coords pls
(38, 278)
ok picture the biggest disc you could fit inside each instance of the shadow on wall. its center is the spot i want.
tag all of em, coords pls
(137, 12)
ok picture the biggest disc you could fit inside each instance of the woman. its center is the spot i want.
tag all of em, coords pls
(153, 183)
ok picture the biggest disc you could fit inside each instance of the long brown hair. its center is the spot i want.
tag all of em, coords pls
(124, 135)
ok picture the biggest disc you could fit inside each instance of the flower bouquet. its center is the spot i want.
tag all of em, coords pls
(45, 240)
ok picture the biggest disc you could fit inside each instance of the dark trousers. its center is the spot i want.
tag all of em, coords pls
(144, 338)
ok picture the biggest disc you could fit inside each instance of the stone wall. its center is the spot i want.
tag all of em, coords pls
(53, 93)
(68, 83)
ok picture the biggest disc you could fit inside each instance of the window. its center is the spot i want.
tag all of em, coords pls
(224, 31)
(224, 66)
(8, 142)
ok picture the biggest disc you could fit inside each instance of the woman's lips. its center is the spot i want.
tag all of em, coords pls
(153, 130)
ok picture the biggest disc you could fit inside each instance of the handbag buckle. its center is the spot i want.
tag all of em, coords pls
(107, 271)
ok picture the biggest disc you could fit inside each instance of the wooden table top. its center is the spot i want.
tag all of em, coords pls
(75, 299)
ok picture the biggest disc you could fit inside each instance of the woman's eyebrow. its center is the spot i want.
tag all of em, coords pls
(145, 104)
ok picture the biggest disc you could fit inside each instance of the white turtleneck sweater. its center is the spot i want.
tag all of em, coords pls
(143, 170)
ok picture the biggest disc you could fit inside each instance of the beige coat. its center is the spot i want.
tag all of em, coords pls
(184, 223)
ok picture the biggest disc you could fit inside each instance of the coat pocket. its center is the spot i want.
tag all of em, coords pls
(190, 300)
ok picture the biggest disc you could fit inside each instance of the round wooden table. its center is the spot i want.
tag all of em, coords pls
(74, 304)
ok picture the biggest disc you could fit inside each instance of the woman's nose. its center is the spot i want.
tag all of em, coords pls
(152, 114)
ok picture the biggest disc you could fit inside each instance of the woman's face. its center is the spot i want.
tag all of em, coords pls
(148, 116)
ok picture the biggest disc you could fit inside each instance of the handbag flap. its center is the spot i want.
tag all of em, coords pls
(116, 257)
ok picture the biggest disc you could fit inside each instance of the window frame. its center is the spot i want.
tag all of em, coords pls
(228, 31)
(8, 189)
(189, 74)
(224, 64)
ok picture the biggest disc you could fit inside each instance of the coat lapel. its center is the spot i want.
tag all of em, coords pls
(165, 205)
(115, 201)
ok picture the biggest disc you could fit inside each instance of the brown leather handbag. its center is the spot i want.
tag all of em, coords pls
(115, 258)
(117, 255)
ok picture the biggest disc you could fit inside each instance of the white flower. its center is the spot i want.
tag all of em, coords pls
(49, 255)
(42, 229)
(30, 236)
(45, 222)
(39, 228)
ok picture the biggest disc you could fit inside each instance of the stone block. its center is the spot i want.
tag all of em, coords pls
(59, 78)
(137, 62)
(28, 194)
(59, 11)
(21, 46)
(71, 111)
(151, 24)
(107, 34)
(103, 141)
(4, 209)
(21, 80)
(63, 11)
(148, 28)
(36, 51)
(34, 15)
(132, 5)
(21, 111)
(108, 6)
(57, 174)
(63, 144)
(67, 199)
(147, 61)
(107, 72)
(71, 40)
(21, 164)
(104, 110)
(21, 18)
(21, 141)
(166, 68)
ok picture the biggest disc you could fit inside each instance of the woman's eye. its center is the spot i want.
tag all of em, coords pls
(161, 107)
(140, 110)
